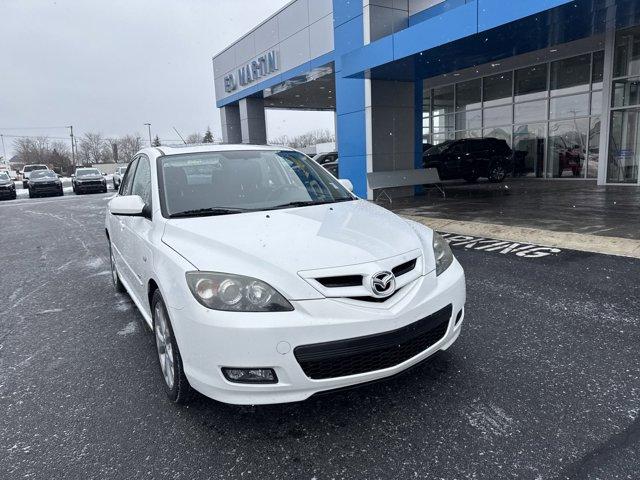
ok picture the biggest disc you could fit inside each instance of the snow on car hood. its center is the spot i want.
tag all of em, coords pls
(274, 245)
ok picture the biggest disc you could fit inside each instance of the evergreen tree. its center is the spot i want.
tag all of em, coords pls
(156, 141)
(208, 136)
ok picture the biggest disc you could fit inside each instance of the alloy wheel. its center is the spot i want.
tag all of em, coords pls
(164, 345)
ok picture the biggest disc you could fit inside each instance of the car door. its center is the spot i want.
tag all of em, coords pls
(120, 237)
(139, 229)
(453, 160)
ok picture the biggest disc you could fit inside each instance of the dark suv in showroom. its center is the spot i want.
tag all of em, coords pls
(470, 159)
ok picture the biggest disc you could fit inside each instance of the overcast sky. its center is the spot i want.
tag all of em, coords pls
(112, 65)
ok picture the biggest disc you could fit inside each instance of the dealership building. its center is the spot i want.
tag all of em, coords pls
(558, 80)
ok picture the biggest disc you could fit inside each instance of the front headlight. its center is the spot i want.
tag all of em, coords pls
(235, 293)
(442, 252)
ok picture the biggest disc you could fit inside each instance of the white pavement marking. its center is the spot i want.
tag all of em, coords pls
(624, 247)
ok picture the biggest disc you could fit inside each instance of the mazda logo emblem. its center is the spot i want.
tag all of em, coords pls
(383, 284)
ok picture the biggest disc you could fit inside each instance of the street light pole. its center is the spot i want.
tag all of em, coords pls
(149, 127)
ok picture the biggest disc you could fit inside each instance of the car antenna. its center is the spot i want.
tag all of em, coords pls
(183, 140)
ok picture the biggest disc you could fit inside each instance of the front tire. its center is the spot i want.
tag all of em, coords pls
(497, 173)
(175, 382)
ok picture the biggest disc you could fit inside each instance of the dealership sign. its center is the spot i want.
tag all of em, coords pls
(259, 67)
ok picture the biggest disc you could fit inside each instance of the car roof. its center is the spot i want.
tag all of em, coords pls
(212, 147)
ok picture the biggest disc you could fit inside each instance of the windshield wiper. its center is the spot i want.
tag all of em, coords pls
(209, 212)
(302, 203)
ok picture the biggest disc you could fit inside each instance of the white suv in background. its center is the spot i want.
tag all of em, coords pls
(26, 172)
(265, 280)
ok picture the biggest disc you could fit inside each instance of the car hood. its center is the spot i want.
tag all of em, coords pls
(275, 245)
(44, 180)
(6, 182)
(89, 177)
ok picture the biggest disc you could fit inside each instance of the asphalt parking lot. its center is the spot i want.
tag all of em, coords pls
(544, 382)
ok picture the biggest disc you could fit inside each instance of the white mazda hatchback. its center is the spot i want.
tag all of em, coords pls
(265, 280)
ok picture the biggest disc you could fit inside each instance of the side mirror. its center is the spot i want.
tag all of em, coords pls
(127, 206)
(346, 183)
(73, 175)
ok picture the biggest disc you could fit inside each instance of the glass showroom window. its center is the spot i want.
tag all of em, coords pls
(548, 113)
(624, 141)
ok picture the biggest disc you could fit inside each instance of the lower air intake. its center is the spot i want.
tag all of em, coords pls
(372, 352)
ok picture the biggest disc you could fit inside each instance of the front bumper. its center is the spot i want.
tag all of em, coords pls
(209, 340)
(91, 187)
(46, 189)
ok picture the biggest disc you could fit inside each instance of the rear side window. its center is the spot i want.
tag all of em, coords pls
(127, 180)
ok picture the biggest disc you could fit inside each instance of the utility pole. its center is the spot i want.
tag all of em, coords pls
(149, 127)
(4, 150)
(73, 155)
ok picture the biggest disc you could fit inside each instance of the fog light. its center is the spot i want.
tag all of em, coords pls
(250, 375)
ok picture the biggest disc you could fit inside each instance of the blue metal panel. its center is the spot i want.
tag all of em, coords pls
(345, 10)
(448, 27)
(492, 13)
(348, 36)
(353, 141)
(354, 167)
(349, 95)
(350, 98)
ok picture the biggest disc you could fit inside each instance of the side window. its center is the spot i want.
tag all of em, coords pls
(456, 149)
(127, 180)
(142, 180)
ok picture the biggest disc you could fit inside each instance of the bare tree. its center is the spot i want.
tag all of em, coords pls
(42, 150)
(305, 140)
(128, 146)
(93, 148)
(193, 138)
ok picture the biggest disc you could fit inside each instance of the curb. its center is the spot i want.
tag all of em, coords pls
(623, 247)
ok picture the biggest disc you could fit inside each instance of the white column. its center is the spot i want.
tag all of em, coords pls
(607, 79)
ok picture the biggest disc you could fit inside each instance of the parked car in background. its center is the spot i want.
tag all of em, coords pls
(117, 176)
(470, 159)
(329, 161)
(43, 183)
(26, 172)
(328, 157)
(6, 168)
(87, 180)
(7, 187)
(222, 247)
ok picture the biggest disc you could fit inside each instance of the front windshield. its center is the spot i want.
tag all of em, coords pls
(217, 183)
(4, 176)
(87, 171)
(31, 168)
(43, 174)
(438, 149)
